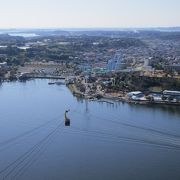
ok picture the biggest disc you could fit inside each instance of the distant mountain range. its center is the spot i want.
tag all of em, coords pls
(113, 32)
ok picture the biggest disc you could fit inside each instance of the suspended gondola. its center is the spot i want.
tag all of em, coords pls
(66, 119)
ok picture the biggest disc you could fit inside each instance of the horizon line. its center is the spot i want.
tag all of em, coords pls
(143, 27)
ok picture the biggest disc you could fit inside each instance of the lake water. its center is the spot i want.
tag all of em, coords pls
(25, 35)
(104, 142)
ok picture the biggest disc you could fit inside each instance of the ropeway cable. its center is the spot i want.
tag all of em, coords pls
(23, 157)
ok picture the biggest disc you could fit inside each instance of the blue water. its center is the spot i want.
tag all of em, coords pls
(105, 141)
(25, 35)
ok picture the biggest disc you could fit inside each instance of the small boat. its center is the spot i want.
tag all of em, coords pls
(51, 83)
(66, 119)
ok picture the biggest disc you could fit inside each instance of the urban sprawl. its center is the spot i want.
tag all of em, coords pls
(135, 66)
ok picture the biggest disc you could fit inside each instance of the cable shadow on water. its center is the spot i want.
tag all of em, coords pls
(110, 137)
(141, 129)
(34, 158)
(24, 134)
(9, 169)
(152, 136)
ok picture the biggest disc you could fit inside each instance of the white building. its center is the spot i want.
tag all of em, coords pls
(171, 93)
(3, 64)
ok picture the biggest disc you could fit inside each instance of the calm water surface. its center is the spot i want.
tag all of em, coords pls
(104, 142)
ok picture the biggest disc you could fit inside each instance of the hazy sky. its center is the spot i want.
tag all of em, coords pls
(89, 13)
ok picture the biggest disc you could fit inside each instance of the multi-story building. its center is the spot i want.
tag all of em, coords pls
(115, 64)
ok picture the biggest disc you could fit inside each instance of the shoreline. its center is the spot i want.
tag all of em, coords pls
(106, 98)
(77, 93)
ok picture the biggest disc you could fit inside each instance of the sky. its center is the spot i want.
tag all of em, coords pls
(89, 13)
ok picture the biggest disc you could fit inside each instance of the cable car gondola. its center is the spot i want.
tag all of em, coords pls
(66, 119)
